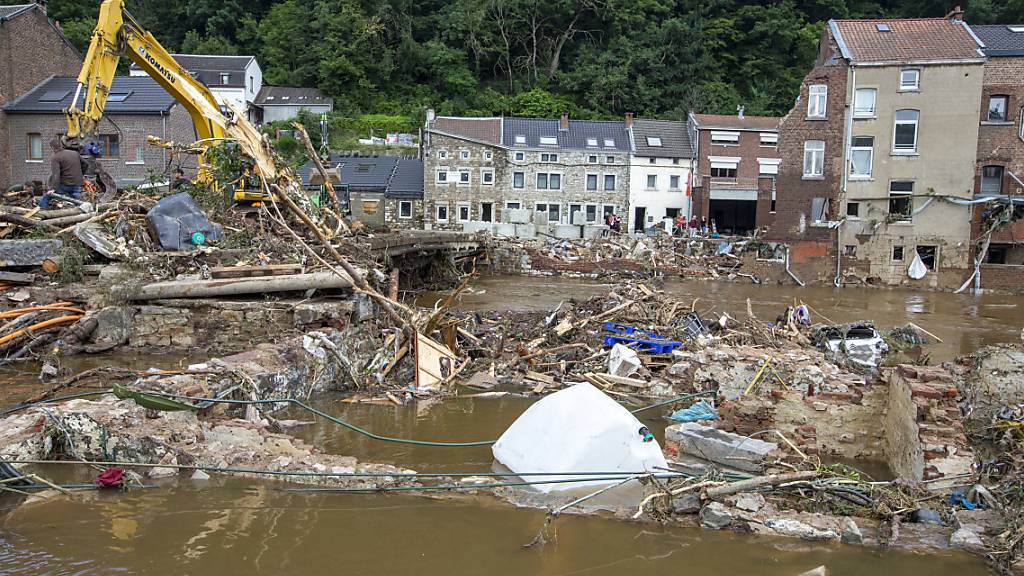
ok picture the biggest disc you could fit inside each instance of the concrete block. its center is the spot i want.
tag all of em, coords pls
(517, 216)
(724, 448)
(540, 219)
(477, 226)
(526, 231)
(505, 229)
(594, 231)
(567, 231)
(578, 218)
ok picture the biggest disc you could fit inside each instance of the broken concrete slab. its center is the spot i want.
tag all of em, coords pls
(725, 448)
(27, 252)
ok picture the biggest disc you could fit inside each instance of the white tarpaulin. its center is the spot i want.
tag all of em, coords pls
(579, 429)
(917, 268)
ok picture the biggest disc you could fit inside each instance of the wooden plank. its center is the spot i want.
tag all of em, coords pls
(434, 363)
(623, 381)
(255, 271)
(538, 377)
(17, 277)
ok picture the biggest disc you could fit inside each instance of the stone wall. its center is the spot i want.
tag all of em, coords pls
(218, 327)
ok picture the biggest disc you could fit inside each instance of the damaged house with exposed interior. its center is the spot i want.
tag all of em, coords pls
(381, 192)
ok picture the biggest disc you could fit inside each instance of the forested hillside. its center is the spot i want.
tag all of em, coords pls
(593, 58)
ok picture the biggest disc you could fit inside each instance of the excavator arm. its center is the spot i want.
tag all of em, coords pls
(117, 33)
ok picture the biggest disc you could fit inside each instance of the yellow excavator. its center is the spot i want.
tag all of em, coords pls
(117, 33)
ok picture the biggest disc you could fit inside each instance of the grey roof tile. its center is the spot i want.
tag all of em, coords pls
(673, 136)
(209, 68)
(407, 182)
(399, 177)
(576, 137)
(53, 96)
(1000, 39)
(7, 12)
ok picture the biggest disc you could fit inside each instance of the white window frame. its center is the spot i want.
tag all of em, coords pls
(654, 141)
(609, 143)
(772, 165)
(549, 158)
(678, 179)
(437, 212)
(593, 159)
(402, 204)
(523, 185)
(910, 86)
(547, 209)
(817, 100)
(488, 155)
(484, 172)
(442, 154)
(469, 177)
(520, 140)
(609, 159)
(549, 141)
(860, 111)
(725, 138)
(458, 211)
(615, 182)
(856, 203)
(769, 140)
(917, 132)
(464, 154)
(811, 151)
(509, 203)
(871, 159)
(547, 181)
(520, 157)
(903, 194)
(586, 182)
(1006, 108)
(648, 185)
(591, 142)
(437, 176)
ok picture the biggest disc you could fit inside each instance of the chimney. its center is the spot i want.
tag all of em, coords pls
(629, 120)
(956, 14)
(740, 110)
(563, 123)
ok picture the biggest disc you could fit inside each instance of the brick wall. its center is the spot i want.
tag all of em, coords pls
(31, 50)
(795, 192)
(765, 215)
(132, 131)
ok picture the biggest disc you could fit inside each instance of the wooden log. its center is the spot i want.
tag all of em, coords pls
(27, 252)
(51, 266)
(255, 271)
(23, 221)
(68, 220)
(759, 482)
(63, 213)
(236, 286)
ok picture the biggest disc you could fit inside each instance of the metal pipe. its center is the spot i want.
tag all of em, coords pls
(790, 272)
(839, 254)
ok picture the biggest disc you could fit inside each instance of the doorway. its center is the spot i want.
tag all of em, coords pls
(639, 218)
(487, 211)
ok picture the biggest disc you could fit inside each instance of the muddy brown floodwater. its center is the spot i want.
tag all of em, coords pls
(229, 526)
(964, 322)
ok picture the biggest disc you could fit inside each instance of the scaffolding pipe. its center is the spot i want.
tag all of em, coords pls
(790, 272)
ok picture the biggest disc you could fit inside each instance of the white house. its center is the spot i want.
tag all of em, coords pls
(235, 79)
(660, 172)
(276, 103)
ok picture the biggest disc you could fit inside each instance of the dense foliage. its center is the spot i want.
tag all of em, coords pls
(592, 58)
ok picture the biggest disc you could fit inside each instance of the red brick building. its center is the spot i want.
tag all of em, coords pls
(1000, 163)
(737, 163)
(32, 48)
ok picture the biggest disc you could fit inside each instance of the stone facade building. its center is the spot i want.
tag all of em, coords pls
(32, 48)
(736, 157)
(869, 173)
(136, 108)
(383, 192)
(1000, 160)
(524, 170)
(661, 172)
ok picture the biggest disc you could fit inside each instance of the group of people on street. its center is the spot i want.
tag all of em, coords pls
(614, 222)
(691, 229)
(67, 173)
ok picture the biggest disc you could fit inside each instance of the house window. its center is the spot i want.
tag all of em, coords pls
(609, 182)
(864, 103)
(442, 176)
(609, 143)
(652, 161)
(897, 253)
(675, 161)
(35, 146)
(548, 141)
(487, 177)
(520, 156)
(549, 158)
(768, 166)
(609, 160)
(513, 206)
(442, 154)
(728, 173)
(591, 182)
(518, 180)
(652, 182)
(853, 209)
(814, 158)
(817, 96)
(592, 159)
(850, 250)
(140, 155)
(441, 215)
(520, 140)
(592, 142)
(552, 210)
(462, 212)
(654, 141)
(819, 209)
(997, 106)
(673, 182)
(110, 145)
(905, 132)
(769, 140)
(464, 179)
(725, 138)
(929, 256)
(901, 200)
(405, 209)
(992, 180)
(771, 208)
(464, 154)
(488, 155)
(861, 156)
(548, 181)
(225, 78)
(910, 79)
(591, 212)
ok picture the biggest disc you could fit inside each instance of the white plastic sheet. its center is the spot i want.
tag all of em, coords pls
(578, 429)
(917, 268)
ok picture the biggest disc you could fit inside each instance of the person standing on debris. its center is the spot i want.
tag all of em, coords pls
(179, 181)
(703, 226)
(66, 176)
(616, 224)
(693, 226)
(680, 230)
